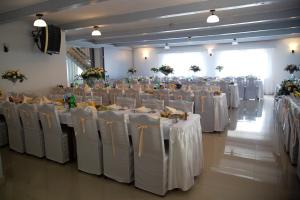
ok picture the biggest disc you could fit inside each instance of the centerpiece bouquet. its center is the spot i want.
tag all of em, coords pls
(166, 70)
(132, 70)
(287, 87)
(14, 76)
(93, 74)
(195, 68)
(292, 68)
(219, 68)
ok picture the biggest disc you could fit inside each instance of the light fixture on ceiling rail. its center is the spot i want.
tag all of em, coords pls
(96, 31)
(212, 18)
(39, 22)
(235, 42)
(167, 47)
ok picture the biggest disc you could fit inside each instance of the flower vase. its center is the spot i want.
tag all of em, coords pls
(90, 82)
(292, 76)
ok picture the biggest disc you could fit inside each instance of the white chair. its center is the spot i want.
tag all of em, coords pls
(163, 95)
(103, 94)
(131, 93)
(15, 130)
(126, 102)
(33, 134)
(88, 144)
(150, 157)
(185, 106)
(113, 94)
(56, 142)
(153, 104)
(3, 133)
(204, 105)
(251, 90)
(241, 85)
(117, 150)
(183, 95)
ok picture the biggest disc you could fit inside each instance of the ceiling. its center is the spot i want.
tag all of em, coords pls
(156, 22)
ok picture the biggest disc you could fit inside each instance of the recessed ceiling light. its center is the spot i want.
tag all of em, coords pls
(212, 18)
(96, 31)
(235, 42)
(39, 22)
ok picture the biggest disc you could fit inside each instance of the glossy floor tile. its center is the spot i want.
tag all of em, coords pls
(245, 162)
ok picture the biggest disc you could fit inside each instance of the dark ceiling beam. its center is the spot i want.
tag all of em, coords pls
(42, 7)
(284, 15)
(201, 33)
(167, 11)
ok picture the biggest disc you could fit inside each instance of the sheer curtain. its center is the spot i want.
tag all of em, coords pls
(73, 70)
(181, 62)
(256, 62)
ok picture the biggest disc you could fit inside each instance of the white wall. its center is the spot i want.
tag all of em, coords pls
(42, 70)
(278, 50)
(117, 61)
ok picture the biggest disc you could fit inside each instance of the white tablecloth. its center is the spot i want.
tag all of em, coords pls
(221, 112)
(234, 96)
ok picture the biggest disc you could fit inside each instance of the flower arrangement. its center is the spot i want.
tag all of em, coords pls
(95, 72)
(166, 70)
(195, 68)
(155, 70)
(287, 87)
(132, 70)
(14, 76)
(219, 68)
(291, 68)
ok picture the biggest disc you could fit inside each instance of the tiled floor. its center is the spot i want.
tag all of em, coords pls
(246, 162)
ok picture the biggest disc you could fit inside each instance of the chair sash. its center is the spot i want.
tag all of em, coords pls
(109, 125)
(141, 128)
(48, 117)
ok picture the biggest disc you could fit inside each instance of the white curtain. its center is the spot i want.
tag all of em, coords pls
(256, 62)
(73, 70)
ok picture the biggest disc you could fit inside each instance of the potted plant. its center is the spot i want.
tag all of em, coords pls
(292, 68)
(132, 70)
(166, 70)
(195, 68)
(219, 68)
(14, 76)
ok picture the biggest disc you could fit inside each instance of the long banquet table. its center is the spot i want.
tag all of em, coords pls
(185, 147)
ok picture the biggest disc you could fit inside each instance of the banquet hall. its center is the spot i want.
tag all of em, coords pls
(149, 99)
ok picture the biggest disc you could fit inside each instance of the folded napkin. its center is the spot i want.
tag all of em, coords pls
(60, 108)
(45, 100)
(27, 99)
(83, 105)
(174, 110)
(143, 109)
(90, 109)
(114, 107)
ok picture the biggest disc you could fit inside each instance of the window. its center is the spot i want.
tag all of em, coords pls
(73, 70)
(181, 62)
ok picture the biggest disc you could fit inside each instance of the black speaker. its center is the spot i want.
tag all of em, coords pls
(49, 39)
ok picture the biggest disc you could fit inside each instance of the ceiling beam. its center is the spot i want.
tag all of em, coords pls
(284, 15)
(201, 33)
(168, 11)
(42, 7)
(225, 38)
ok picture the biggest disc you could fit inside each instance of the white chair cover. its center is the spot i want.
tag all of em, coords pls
(131, 93)
(56, 142)
(88, 144)
(294, 132)
(186, 106)
(183, 95)
(113, 94)
(153, 104)
(251, 90)
(33, 134)
(117, 150)
(241, 85)
(126, 102)
(150, 158)
(163, 95)
(204, 105)
(15, 130)
(103, 94)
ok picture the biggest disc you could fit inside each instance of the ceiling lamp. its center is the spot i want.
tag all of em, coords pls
(235, 42)
(96, 31)
(39, 22)
(212, 18)
(167, 46)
